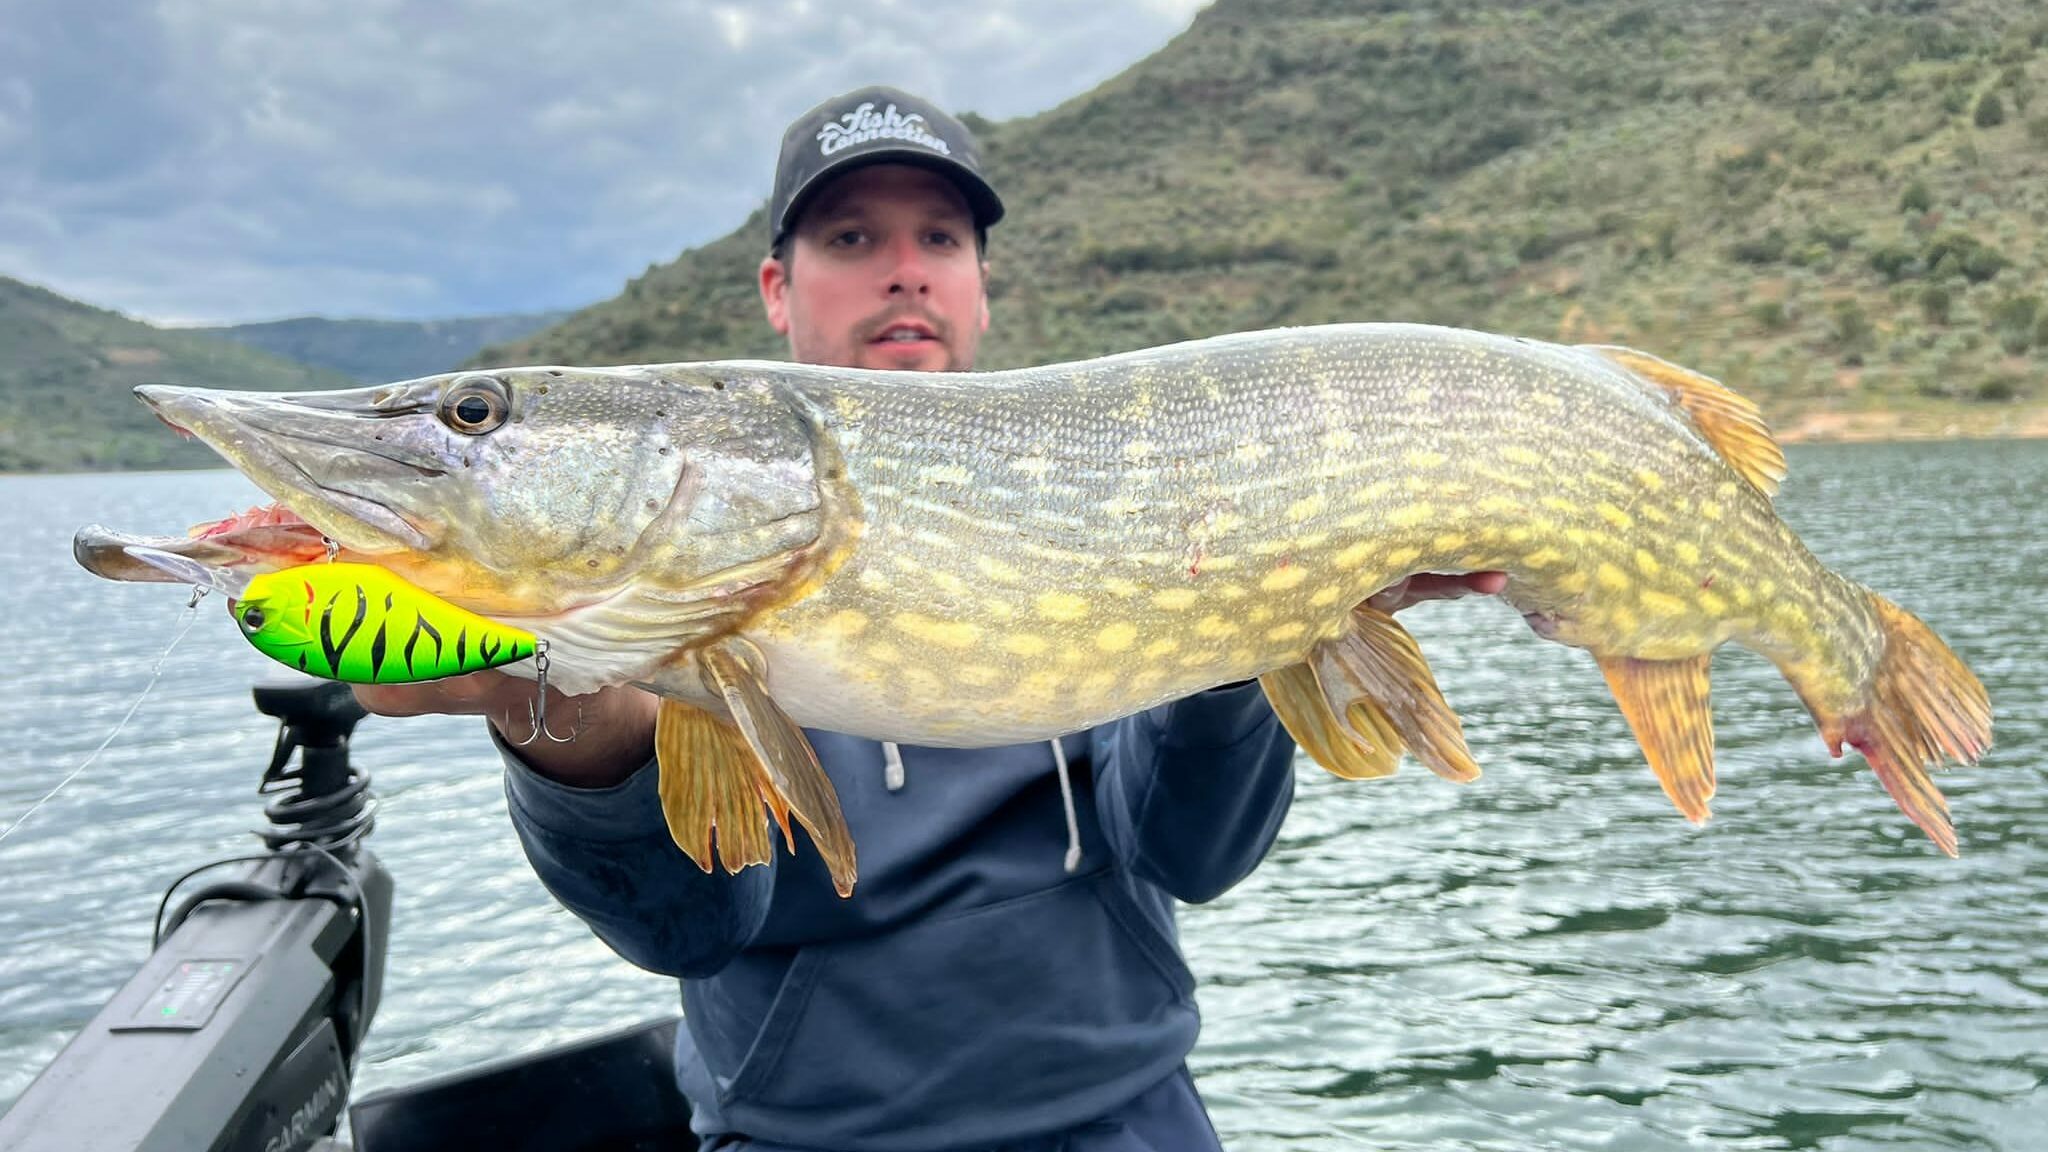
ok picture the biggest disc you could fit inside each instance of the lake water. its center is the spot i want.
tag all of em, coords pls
(1547, 958)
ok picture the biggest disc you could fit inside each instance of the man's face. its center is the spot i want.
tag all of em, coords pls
(882, 272)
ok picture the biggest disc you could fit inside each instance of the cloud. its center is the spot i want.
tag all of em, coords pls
(216, 160)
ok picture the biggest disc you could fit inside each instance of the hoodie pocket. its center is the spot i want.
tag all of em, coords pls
(1038, 1011)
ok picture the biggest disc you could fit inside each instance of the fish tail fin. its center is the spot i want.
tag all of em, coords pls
(1923, 706)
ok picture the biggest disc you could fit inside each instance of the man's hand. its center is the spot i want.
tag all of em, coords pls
(1432, 586)
(609, 733)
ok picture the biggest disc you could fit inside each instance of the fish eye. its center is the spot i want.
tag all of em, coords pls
(475, 405)
(252, 618)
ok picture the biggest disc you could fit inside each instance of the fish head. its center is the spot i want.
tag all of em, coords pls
(530, 492)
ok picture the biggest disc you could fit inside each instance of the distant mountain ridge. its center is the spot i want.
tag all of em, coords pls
(67, 374)
(1836, 207)
(381, 351)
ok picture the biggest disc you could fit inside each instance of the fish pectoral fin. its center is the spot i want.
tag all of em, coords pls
(1731, 422)
(711, 782)
(1666, 704)
(1377, 678)
(793, 782)
(1363, 752)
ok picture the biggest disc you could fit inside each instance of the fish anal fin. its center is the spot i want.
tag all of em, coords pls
(1924, 707)
(711, 788)
(1729, 421)
(1303, 710)
(793, 782)
(1667, 706)
(1374, 673)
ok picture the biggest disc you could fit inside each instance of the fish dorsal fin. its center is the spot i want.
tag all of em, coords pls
(1730, 421)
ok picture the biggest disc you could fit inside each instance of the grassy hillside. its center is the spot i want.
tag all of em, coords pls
(1836, 207)
(66, 374)
(380, 351)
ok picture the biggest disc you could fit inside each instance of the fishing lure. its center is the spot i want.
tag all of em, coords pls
(361, 624)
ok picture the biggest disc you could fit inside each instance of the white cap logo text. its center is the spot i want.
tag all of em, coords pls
(864, 124)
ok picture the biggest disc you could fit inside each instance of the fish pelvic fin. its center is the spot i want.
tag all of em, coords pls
(1366, 750)
(1666, 705)
(1373, 697)
(1731, 423)
(792, 781)
(1924, 707)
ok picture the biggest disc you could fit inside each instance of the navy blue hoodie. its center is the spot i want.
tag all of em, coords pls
(976, 991)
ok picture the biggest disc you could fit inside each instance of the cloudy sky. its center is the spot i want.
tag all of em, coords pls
(190, 161)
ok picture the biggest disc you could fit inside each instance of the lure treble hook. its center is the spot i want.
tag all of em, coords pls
(537, 712)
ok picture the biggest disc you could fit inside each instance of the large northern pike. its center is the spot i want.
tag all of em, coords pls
(977, 559)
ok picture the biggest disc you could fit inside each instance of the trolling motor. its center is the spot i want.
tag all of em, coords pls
(241, 1031)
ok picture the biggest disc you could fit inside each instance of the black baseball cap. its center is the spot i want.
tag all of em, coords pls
(874, 125)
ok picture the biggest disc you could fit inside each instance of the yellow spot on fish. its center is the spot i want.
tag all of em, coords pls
(905, 563)
(1712, 605)
(952, 474)
(1710, 511)
(1498, 505)
(1616, 516)
(995, 569)
(1312, 540)
(1175, 599)
(1145, 679)
(1663, 604)
(1025, 644)
(1285, 632)
(1418, 395)
(1096, 683)
(1520, 534)
(873, 579)
(1355, 555)
(1425, 459)
(1578, 537)
(1212, 626)
(1000, 609)
(1231, 592)
(1622, 618)
(1339, 440)
(1516, 454)
(844, 623)
(1402, 557)
(1410, 516)
(1558, 504)
(1251, 452)
(1372, 491)
(1544, 558)
(1164, 646)
(1260, 614)
(1304, 508)
(1062, 606)
(1726, 490)
(948, 583)
(1449, 542)
(1612, 577)
(1138, 449)
(1116, 637)
(1688, 552)
(1574, 582)
(1654, 514)
(882, 652)
(1646, 563)
(1118, 586)
(977, 675)
(1281, 579)
(954, 634)
(1326, 596)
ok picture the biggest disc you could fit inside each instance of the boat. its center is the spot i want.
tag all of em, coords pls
(243, 1029)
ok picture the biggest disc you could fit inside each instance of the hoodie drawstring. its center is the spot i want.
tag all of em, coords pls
(892, 777)
(1059, 759)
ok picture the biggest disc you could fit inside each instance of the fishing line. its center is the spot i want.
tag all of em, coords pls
(156, 671)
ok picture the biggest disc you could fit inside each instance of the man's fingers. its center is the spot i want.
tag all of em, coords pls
(1437, 586)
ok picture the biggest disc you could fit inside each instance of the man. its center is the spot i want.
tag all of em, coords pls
(1007, 973)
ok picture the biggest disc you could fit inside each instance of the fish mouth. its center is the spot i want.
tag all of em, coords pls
(315, 453)
(222, 554)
